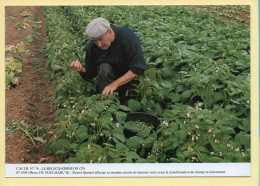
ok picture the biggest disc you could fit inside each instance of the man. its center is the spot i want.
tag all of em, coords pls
(114, 54)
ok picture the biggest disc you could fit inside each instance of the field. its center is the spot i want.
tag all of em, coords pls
(197, 83)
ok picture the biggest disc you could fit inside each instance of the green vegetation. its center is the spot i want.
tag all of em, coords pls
(198, 83)
(12, 68)
(35, 134)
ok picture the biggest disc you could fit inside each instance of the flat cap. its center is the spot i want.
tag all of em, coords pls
(97, 27)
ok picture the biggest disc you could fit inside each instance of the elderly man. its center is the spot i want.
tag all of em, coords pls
(114, 55)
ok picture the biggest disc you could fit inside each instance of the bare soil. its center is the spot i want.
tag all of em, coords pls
(25, 102)
(227, 13)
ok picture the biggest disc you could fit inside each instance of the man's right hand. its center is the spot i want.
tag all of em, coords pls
(76, 65)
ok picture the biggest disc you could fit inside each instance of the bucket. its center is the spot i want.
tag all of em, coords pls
(143, 117)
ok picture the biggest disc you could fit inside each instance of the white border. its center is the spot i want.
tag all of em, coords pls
(129, 170)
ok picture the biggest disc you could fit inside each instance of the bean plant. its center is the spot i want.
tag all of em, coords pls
(197, 83)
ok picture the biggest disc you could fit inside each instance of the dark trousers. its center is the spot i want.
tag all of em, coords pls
(105, 76)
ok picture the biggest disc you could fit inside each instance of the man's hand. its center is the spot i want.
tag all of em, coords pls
(76, 65)
(126, 78)
(110, 88)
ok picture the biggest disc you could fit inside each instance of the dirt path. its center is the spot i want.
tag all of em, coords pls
(27, 101)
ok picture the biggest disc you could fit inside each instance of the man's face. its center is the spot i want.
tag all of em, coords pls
(105, 40)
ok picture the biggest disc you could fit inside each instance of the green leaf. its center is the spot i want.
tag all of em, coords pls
(134, 105)
(120, 137)
(131, 125)
(246, 124)
(121, 117)
(188, 153)
(132, 155)
(186, 94)
(203, 149)
(124, 108)
(181, 135)
(148, 143)
(60, 152)
(54, 147)
(166, 72)
(134, 143)
(168, 141)
(144, 133)
(40, 139)
(180, 157)
(108, 145)
(174, 160)
(228, 130)
(228, 156)
(73, 146)
(141, 160)
(203, 157)
(64, 142)
(82, 133)
(214, 160)
(121, 147)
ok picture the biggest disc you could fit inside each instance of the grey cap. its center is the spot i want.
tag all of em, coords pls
(97, 27)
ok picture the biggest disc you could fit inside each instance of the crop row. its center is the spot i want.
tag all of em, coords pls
(198, 83)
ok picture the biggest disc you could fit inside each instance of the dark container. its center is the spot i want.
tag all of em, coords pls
(143, 117)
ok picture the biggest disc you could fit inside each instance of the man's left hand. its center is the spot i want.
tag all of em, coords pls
(110, 89)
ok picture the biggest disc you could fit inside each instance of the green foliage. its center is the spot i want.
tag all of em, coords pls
(12, 68)
(36, 134)
(22, 26)
(198, 83)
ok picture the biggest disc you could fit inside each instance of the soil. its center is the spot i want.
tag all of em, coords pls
(241, 14)
(25, 102)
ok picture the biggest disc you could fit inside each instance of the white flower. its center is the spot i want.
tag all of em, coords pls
(165, 123)
(196, 126)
